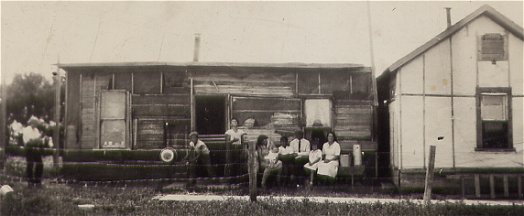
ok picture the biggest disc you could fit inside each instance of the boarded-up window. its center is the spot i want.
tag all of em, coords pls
(492, 47)
(361, 86)
(174, 82)
(308, 83)
(494, 121)
(318, 112)
(146, 82)
(331, 82)
(123, 81)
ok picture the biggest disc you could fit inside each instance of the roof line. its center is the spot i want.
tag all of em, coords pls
(483, 10)
(213, 64)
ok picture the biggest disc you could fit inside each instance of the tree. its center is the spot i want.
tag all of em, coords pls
(32, 91)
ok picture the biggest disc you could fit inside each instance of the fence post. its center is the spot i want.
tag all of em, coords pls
(429, 175)
(252, 173)
(227, 166)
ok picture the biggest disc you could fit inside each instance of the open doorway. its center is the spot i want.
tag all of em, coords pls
(210, 114)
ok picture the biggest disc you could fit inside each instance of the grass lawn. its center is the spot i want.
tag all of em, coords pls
(57, 199)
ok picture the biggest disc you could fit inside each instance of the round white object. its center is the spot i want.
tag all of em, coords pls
(167, 155)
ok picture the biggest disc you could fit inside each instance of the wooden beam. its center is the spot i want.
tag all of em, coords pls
(56, 131)
(78, 128)
(452, 102)
(192, 102)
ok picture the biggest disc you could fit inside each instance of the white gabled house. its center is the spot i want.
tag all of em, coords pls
(465, 85)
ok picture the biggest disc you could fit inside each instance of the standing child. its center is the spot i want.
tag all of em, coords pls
(202, 152)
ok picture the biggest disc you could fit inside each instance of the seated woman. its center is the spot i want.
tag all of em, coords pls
(267, 159)
(315, 156)
(328, 168)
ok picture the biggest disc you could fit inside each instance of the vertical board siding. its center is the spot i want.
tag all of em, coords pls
(87, 112)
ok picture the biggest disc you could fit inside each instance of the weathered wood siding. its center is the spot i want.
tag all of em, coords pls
(87, 111)
(252, 82)
(160, 117)
(353, 123)
(160, 100)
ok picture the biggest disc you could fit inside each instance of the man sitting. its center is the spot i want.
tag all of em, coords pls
(301, 148)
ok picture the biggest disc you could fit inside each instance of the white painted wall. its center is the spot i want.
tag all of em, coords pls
(438, 69)
(412, 77)
(412, 132)
(438, 123)
(516, 66)
(464, 44)
(437, 66)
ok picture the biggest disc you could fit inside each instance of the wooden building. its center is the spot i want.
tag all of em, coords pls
(152, 105)
(465, 86)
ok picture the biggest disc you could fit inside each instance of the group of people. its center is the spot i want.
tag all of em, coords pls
(297, 159)
(33, 134)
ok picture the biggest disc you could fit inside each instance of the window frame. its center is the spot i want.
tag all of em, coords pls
(496, 90)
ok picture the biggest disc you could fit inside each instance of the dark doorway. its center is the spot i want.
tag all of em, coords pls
(210, 114)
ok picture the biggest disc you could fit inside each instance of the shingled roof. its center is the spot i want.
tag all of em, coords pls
(484, 10)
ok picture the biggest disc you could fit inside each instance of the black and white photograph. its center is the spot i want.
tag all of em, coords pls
(261, 108)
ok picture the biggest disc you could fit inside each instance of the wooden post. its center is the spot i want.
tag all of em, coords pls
(492, 186)
(135, 133)
(462, 185)
(477, 185)
(56, 132)
(506, 188)
(519, 186)
(227, 166)
(429, 175)
(192, 103)
(252, 173)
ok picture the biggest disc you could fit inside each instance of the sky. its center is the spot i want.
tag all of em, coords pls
(36, 35)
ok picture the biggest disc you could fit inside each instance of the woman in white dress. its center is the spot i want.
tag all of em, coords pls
(331, 154)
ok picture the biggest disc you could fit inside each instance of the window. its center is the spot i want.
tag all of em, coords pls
(492, 47)
(318, 112)
(495, 119)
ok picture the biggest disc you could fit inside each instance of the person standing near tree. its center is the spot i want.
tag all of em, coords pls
(32, 138)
